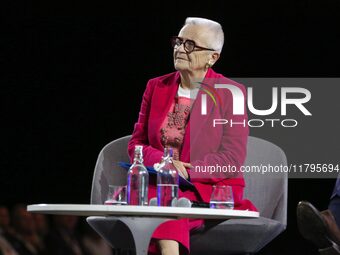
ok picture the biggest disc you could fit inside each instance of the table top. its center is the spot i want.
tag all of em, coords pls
(140, 211)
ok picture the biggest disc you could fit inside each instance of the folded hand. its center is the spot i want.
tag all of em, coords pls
(181, 168)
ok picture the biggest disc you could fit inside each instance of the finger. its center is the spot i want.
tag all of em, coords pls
(180, 173)
(180, 168)
(188, 165)
(183, 173)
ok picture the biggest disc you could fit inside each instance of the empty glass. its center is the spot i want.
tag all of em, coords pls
(116, 195)
(222, 197)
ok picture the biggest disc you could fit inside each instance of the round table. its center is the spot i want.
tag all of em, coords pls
(141, 220)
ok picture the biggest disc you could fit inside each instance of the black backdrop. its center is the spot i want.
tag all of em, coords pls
(72, 77)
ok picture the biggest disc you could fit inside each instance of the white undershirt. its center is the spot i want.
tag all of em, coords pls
(188, 93)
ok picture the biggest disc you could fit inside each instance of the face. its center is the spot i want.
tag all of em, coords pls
(197, 60)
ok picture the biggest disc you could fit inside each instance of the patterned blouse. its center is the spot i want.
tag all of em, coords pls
(173, 126)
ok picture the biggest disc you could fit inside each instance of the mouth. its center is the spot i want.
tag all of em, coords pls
(181, 58)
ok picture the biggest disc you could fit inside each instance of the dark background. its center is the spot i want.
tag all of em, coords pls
(73, 74)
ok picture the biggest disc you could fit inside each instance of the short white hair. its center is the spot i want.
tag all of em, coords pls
(217, 40)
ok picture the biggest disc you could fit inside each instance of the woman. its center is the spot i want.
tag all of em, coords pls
(168, 102)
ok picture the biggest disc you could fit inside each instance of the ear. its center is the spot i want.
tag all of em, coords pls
(214, 57)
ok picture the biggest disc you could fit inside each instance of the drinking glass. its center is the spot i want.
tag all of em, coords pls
(222, 197)
(116, 195)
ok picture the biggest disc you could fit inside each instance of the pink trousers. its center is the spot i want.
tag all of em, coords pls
(177, 230)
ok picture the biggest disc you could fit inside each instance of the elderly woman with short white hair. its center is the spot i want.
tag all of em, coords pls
(171, 116)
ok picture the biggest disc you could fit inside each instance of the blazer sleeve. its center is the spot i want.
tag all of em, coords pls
(231, 152)
(151, 155)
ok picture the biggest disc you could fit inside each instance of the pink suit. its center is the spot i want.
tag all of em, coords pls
(203, 145)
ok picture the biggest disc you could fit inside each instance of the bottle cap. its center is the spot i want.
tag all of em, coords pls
(139, 151)
(139, 148)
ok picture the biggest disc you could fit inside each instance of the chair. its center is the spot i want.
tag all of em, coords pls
(236, 236)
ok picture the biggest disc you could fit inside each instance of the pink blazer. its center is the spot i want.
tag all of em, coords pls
(203, 145)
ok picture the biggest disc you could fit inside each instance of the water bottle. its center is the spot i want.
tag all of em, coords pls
(167, 181)
(137, 180)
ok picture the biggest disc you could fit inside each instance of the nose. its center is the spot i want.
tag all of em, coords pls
(180, 48)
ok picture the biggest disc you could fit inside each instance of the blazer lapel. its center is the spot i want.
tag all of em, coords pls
(162, 98)
(197, 123)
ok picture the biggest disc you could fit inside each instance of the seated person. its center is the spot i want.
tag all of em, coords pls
(171, 116)
(322, 228)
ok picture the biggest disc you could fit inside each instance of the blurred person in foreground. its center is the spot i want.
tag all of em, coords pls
(63, 238)
(171, 116)
(5, 220)
(5, 247)
(94, 243)
(41, 224)
(24, 237)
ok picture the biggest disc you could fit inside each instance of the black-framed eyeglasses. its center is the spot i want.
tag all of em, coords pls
(189, 45)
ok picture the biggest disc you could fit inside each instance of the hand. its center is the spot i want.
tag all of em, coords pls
(181, 168)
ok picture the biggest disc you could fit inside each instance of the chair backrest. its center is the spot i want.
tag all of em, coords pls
(267, 191)
(107, 171)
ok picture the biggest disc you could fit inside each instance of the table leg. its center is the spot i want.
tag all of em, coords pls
(142, 229)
